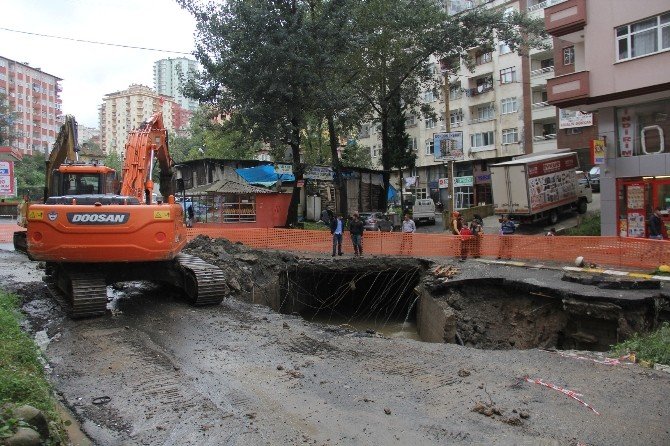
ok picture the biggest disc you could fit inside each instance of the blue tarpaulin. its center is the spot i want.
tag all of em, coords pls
(392, 193)
(263, 175)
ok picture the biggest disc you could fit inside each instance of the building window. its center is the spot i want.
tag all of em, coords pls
(430, 147)
(644, 37)
(456, 118)
(482, 58)
(410, 121)
(504, 48)
(429, 96)
(481, 139)
(412, 144)
(508, 105)
(430, 123)
(375, 151)
(508, 75)
(569, 55)
(455, 92)
(510, 136)
(485, 113)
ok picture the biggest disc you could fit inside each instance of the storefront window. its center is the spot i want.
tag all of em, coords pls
(637, 200)
(643, 129)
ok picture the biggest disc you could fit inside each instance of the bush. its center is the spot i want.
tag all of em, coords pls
(22, 378)
(652, 347)
(590, 226)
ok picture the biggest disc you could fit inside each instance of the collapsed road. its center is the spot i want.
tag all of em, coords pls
(257, 370)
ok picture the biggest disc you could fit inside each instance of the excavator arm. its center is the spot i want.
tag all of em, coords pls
(64, 148)
(145, 146)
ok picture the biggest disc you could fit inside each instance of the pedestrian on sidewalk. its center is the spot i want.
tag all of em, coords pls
(656, 225)
(337, 228)
(456, 223)
(356, 228)
(477, 229)
(507, 229)
(408, 229)
(466, 240)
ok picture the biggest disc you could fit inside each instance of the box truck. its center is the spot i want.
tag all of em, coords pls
(539, 186)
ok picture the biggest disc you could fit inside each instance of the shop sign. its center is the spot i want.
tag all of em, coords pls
(483, 178)
(283, 168)
(464, 181)
(626, 133)
(597, 151)
(570, 119)
(318, 173)
(443, 183)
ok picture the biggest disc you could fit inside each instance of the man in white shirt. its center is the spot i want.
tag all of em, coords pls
(408, 228)
(337, 228)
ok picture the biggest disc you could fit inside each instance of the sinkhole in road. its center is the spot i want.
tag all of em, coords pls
(404, 299)
(361, 295)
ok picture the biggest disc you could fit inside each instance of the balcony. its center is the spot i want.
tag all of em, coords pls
(565, 17)
(542, 110)
(567, 90)
(542, 72)
(544, 4)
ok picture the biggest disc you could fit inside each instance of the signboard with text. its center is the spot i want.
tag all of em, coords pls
(448, 146)
(318, 173)
(598, 151)
(7, 183)
(568, 119)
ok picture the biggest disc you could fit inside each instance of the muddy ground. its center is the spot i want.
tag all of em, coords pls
(155, 371)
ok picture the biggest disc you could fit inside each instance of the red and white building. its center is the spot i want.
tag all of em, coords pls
(620, 51)
(34, 97)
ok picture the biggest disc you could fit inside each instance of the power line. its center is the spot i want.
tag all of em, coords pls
(93, 41)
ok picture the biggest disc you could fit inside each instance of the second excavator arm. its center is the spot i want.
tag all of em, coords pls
(145, 145)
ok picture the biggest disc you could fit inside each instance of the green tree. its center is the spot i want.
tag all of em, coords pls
(355, 155)
(7, 117)
(30, 175)
(113, 160)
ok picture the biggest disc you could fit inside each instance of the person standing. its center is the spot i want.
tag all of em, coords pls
(656, 225)
(189, 212)
(477, 229)
(356, 228)
(456, 223)
(466, 239)
(507, 228)
(337, 228)
(408, 228)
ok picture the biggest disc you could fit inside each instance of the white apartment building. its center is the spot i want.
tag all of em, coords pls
(500, 107)
(85, 133)
(123, 111)
(169, 77)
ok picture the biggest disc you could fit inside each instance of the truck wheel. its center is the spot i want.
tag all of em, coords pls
(553, 217)
(581, 206)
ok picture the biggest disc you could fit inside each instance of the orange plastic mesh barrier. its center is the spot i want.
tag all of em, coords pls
(7, 232)
(603, 251)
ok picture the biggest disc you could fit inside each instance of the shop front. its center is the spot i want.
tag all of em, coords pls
(637, 200)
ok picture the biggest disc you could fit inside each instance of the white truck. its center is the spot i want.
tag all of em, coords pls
(422, 209)
(539, 186)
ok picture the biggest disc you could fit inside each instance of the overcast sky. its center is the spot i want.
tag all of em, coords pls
(90, 71)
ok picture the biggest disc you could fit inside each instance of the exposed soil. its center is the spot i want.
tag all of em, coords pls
(242, 373)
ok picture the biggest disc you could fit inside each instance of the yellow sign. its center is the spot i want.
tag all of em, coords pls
(35, 215)
(161, 215)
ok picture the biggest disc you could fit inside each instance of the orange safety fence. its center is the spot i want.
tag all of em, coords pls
(603, 251)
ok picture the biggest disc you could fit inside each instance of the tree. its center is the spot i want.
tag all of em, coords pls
(262, 61)
(30, 175)
(7, 117)
(355, 155)
(113, 160)
(397, 39)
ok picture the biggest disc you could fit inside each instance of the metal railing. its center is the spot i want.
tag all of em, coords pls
(541, 71)
(544, 4)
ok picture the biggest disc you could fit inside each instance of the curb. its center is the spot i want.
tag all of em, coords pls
(631, 274)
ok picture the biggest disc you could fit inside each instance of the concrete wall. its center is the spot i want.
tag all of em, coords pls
(435, 320)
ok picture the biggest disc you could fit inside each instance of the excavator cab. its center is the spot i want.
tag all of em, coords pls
(82, 180)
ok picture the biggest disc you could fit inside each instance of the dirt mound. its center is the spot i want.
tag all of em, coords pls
(244, 267)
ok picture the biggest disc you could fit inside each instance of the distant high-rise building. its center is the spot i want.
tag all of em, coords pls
(85, 133)
(34, 98)
(170, 76)
(123, 111)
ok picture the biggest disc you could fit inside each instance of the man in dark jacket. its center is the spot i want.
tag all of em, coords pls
(356, 228)
(656, 225)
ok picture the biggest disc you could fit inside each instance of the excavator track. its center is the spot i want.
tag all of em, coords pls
(204, 283)
(82, 294)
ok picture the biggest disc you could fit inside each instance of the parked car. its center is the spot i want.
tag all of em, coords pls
(594, 178)
(375, 221)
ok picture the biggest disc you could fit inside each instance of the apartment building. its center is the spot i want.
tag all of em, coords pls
(85, 133)
(34, 96)
(621, 55)
(500, 107)
(169, 77)
(123, 111)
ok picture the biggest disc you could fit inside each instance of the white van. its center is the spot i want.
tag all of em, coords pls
(424, 210)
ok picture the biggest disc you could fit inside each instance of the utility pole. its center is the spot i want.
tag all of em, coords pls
(447, 126)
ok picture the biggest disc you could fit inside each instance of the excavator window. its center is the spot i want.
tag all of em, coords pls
(81, 184)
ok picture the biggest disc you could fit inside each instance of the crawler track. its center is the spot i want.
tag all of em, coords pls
(82, 294)
(204, 283)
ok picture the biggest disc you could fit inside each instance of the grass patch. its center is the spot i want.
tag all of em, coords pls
(315, 226)
(653, 347)
(590, 226)
(22, 379)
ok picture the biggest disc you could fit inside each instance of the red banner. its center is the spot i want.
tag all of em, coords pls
(551, 166)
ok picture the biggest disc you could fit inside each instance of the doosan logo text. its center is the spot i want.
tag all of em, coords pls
(97, 218)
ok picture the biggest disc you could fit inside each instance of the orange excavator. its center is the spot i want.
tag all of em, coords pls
(90, 237)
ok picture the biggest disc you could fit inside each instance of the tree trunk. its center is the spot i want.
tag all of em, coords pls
(292, 216)
(386, 154)
(340, 185)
